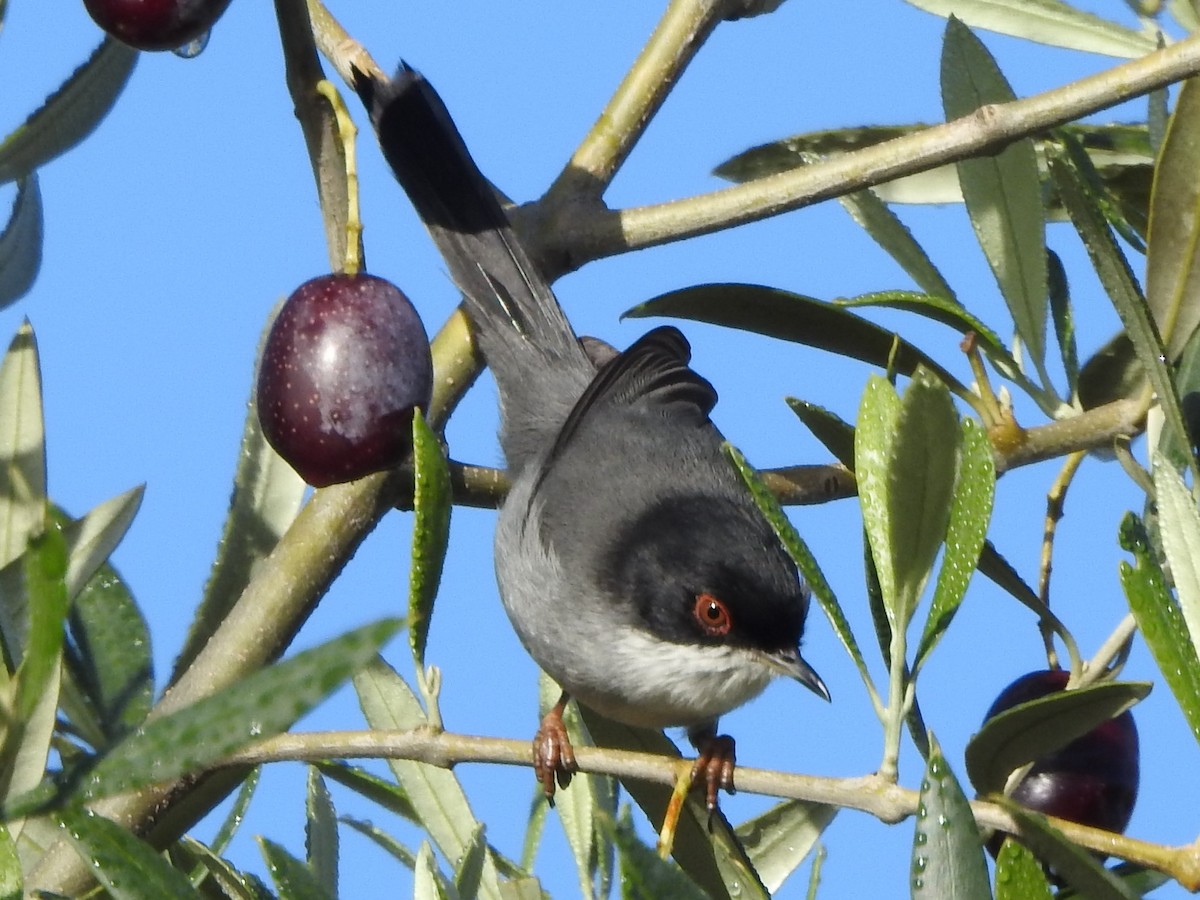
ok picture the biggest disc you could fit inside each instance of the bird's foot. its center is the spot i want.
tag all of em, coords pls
(713, 766)
(553, 755)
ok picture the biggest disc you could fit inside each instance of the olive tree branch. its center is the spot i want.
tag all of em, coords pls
(888, 802)
(583, 233)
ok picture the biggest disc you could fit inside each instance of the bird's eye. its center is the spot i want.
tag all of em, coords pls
(712, 615)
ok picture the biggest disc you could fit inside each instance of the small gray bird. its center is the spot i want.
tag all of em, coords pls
(631, 559)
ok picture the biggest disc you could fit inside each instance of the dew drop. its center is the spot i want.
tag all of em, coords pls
(193, 48)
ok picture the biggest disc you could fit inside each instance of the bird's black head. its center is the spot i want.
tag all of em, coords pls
(709, 571)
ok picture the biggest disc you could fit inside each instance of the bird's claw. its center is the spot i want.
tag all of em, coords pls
(553, 755)
(714, 767)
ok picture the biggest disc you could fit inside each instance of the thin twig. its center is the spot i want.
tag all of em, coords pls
(889, 803)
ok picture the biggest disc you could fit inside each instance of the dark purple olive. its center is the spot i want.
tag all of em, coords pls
(1094, 779)
(156, 24)
(345, 364)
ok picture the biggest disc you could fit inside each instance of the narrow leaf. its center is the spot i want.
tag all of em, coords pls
(1173, 248)
(260, 705)
(293, 879)
(22, 446)
(970, 513)
(382, 839)
(794, 317)
(92, 539)
(921, 473)
(379, 791)
(128, 867)
(110, 677)
(577, 805)
(234, 885)
(1002, 192)
(321, 834)
(781, 838)
(70, 113)
(830, 429)
(1062, 315)
(431, 530)
(878, 416)
(11, 878)
(1160, 621)
(884, 226)
(468, 868)
(1029, 731)
(801, 555)
(706, 847)
(21, 243)
(947, 858)
(436, 795)
(45, 580)
(1019, 875)
(1121, 287)
(237, 811)
(428, 882)
(643, 875)
(1046, 22)
(1179, 527)
(1070, 862)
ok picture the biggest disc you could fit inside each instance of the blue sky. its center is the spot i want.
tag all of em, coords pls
(172, 231)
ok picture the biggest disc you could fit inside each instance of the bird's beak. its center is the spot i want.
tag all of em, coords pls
(792, 664)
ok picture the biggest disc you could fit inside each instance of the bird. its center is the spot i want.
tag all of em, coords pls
(633, 563)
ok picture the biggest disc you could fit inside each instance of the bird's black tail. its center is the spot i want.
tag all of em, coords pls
(512, 305)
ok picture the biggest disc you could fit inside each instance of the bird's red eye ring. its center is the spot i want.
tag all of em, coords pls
(712, 615)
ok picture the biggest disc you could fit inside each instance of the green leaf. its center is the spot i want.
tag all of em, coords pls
(1172, 259)
(436, 795)
(830, 429)
(109, 687)
(583, 800)
(1019, 875)
(21, 243)
(22, 446)
(11, 878)
(233, 884)
(261, 705)
(237, 811)
(643, 875)
(93, 538)
(947, 858)
(801, 555)
(1069, 861)
(884, 226)
(1179, 528)
(428, 882)
(382, 839)
(1046, 22)
(431, 530)
(706, 847)
(781, 838)
(468, 868)
(126, 866)
(905, 460)
(970, 512)
(293, 879)
(45, 580)
(321, 834)
(267, 494)
(1121, 287)
(1160, 621)
(794, 317)
(1029, 731)
(1062, 315)
(1002, 192)
(379, 791)
(70, 113)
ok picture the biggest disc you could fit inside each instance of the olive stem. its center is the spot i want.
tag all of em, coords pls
(347, 134)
